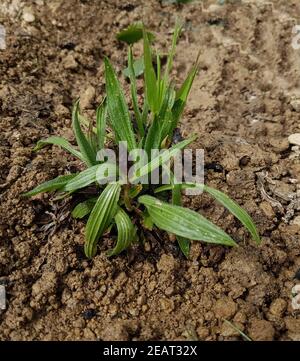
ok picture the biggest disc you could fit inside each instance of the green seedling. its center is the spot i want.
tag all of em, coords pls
(132, 209)
(133, 33)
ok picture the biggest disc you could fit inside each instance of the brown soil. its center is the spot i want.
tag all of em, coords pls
(243, 106)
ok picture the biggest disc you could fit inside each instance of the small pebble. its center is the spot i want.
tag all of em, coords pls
(295, 103)
(69, 62)
(28, 16)
(294, 139)
(169, 291)
(267, 209)
(278, 307)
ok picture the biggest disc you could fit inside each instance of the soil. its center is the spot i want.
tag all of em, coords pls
(244, 105)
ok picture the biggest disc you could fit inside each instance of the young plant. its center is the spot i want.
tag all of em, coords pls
(132, 207)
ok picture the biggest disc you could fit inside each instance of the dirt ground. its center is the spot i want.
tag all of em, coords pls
(244, 105)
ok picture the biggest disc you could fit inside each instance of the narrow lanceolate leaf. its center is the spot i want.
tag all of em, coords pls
(89, 176)
(135, 104)
(184, 222)
(117, 108)
(153, 137)
(126, 232)
(101, 124)
(182, 95)
(236, 210)
(84, 208)
(92, 138)
(171, 54)
(226, 202)
(160, 159)
(52, 185)
(85, 147)
(101, 217)
(167, 103)
(159, 81)
(145, 112)
(185, 89)
(151, 91)
(165, 114)
(61, 142)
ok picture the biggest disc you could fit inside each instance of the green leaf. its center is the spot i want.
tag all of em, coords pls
(185, 89)
(184, 243)
(236, 210)
(86, 123)
(145, 112)
(117, 108)
(184, 222)
(147, 221)
(165, 187)
(137, 112)
(160, 83)
(153, 137)
(181, 97)
(101, 217)
(151, 90)
(226, 202)
(62, 142)
(176, 34)
(167, 103)
(126, 233)
(135, 191)
(84, 208)
(165, 113)
(133, 33)
(85, 147)
(88, 176)
(101, 123)
(138, 68)
(161, 159)
(176, 194)
(52, 185)
(92, 137)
